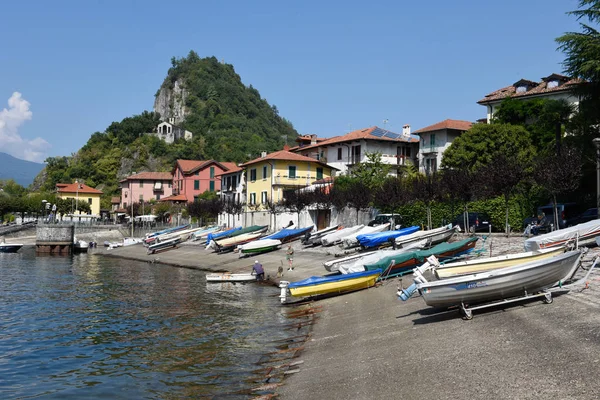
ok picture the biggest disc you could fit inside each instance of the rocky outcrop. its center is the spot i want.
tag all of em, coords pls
(170, 102)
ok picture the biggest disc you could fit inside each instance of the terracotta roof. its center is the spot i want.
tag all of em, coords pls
(566, 84)
(72, 188)
(372, 133)
(115, 200)
(328, 179)
(178, 197)
(447, 124)
(150, 176)
(231, 170)
(286, 156)
(191, 166)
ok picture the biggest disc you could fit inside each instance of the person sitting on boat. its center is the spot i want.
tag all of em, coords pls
(542, 223)
(258, 270)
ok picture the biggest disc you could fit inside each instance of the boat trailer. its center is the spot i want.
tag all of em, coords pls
(467, 311)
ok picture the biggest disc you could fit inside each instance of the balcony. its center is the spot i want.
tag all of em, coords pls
(430, 149)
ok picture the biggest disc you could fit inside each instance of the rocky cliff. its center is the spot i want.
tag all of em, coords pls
(170, 102)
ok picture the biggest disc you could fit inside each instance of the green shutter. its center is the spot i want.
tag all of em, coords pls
(212, 186)
(196, 185)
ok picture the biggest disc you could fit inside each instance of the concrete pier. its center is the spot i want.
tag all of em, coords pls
(54, 239)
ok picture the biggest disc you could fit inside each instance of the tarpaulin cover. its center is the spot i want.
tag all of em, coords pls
(222, 234)
(375, 239)
(285, 233)
(560, 237)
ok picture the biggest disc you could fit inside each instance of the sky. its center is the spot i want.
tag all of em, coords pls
(70, 68)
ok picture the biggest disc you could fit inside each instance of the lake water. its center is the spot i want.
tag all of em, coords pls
(87, 326)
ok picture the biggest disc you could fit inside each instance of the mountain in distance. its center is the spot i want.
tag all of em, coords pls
(21, 171)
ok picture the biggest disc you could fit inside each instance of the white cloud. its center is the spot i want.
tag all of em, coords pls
(11, 142)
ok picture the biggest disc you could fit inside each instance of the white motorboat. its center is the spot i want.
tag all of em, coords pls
(433, 236)
(80, 246)
(351, 240)
(336, 236)
(229, 277)
(10, 247)
(314, 239)
(508, 284)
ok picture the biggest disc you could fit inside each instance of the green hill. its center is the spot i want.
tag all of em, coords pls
(230, 122)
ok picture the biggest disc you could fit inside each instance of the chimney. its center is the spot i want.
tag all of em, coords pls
(406, 130)
(313, 139)
(286, 147)
(263, 154)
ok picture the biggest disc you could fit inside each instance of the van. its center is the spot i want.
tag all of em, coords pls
(566, 212)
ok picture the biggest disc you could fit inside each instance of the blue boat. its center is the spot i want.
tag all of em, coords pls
(221, 234)
(369, 240)
(287, 235)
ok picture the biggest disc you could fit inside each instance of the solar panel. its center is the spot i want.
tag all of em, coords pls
(378, 132)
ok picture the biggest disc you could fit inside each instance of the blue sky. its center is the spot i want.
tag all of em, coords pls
(328, 66)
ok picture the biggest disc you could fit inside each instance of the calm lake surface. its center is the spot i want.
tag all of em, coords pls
(87, 326)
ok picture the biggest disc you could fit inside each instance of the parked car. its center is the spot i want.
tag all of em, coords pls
(586, 216)
(478, 222)
(566, 212)
(381, 219)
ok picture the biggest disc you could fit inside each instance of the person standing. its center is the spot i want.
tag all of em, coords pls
(289, 255)
(258, 270)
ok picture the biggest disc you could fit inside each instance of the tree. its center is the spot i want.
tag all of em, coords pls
(559, 173)
(502, 177)
(358, 196)
(482, 143)
(296, 200)
(371, 172)
(457, 185)
(274, 207)
(392, 194)
(426, 188)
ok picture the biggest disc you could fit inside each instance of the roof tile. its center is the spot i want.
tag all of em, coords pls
(459, 125)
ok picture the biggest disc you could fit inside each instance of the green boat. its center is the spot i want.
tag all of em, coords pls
(249, 229)
(260, 246)
(403, 263)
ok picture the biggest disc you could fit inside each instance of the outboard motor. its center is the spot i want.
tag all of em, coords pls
(283, 295)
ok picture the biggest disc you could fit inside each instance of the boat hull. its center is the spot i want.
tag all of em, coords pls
(336, 237)
(260, 246)
(333, 284)
(501, 283)
(10, 247)
(168, 244)
(487, 264)
(352, 241)
(434, 236)
(228, 277)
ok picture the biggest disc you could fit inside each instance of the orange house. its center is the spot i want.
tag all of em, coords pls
(193, 177)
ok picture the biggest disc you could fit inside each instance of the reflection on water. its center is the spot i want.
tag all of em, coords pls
(90, 326)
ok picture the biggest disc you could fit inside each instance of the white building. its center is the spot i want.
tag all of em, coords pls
(169, 132)
(554, 87)
(344, 152)
(435, 139)
(233, 185)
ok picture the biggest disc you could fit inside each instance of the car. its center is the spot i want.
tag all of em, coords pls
(381, 219)
(566, 212)
(478, 222)
(588, 215)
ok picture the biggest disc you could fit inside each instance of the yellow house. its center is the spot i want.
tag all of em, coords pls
(267, 177)
(79, 191)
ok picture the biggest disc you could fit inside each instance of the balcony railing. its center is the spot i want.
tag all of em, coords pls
(430, 149)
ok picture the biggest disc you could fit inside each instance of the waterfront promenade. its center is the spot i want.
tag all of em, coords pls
(369, 345)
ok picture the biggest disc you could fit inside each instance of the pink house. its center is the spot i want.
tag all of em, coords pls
(145, 186)
(193, 177)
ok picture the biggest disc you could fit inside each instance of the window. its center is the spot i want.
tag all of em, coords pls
(252, 198)
(158, 197)
(233, 182)
(197, 173)
(319, 173)
(196, 185)
(253, 174)
(228, 183)
(292, 172)
(263, 197)
(432, 139)
(211, 186)
(141, 184)
(89, 200)
(212, 172)
(340, 153)
(552, 84)
(521, 89)
(265, 173)
(355, 154)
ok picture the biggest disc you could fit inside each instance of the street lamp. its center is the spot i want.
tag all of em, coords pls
(596, 142)
(44, 209)
(76, 195)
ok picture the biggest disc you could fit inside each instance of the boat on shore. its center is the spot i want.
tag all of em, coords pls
(151, 237)
(230, 243)
(581, 234)
(516, 283)
(288, 234)
(220, 234)
(477, 265)
(403, 263)
(229, 277)
(351, 240)
(10, 247)
(203, 233)
(336, 236)
(371, 240)
(166, 245)
(259, 246)
(433, 236)
(330, 284)
(314, 238)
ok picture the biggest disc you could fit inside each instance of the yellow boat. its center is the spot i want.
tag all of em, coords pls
(486, 264)
(333, 284)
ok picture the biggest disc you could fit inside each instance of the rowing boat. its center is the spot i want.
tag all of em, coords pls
(229, 277)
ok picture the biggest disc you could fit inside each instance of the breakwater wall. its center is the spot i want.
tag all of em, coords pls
(54, 239)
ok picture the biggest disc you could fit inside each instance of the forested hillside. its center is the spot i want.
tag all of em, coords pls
(230, 122)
